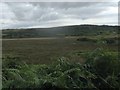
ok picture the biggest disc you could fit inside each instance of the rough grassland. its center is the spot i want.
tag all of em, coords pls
(46, 50)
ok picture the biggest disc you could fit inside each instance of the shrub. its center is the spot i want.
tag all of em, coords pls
(103, 62)
(11, 62)
(86, 39)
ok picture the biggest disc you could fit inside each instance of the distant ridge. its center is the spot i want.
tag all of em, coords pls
(62, 26)
(73, 30)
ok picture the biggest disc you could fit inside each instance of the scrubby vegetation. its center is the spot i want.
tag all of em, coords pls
(100, 39)
(100, 70)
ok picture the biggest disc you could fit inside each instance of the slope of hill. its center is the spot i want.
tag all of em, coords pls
(76, 30)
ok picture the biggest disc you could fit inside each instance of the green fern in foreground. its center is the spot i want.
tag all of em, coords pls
(101, 70)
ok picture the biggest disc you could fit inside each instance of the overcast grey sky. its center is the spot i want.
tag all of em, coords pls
(52, 14)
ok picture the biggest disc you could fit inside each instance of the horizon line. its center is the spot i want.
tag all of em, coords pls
(58, 26)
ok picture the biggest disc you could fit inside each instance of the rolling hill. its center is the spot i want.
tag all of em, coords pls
(75, 30)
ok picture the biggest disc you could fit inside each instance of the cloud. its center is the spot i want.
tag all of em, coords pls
(50, 14)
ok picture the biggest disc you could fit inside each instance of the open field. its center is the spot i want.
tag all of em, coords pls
(57, 63)
(46, 50)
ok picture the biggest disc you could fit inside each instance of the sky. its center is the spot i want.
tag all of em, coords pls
(53, 14)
